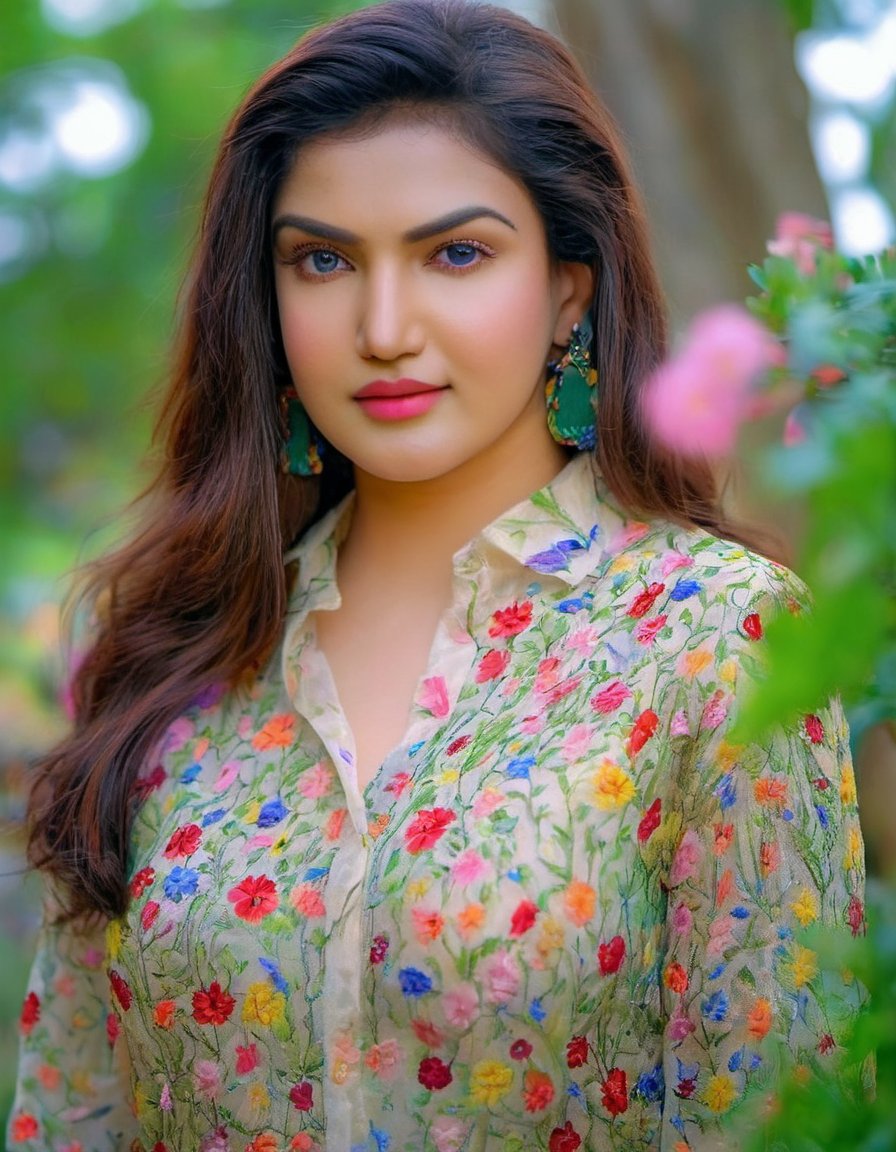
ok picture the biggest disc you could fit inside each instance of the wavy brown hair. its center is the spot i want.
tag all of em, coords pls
(197, 596)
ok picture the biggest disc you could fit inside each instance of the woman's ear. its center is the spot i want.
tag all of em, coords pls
(575, 293)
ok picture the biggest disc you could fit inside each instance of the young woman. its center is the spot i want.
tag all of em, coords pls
(400, 809)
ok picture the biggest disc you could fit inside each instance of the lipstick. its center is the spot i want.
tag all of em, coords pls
(397, 399)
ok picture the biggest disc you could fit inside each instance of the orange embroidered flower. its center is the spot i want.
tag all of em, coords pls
(470, 918)
(307, 900)
(759, 1018)
(579, 902)
(428, 924)
(279, 732)
(333, 826)
(676, 978)
(769, 857)
(770, 792)
(163, 1014)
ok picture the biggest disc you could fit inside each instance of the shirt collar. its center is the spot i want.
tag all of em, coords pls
(563, 530)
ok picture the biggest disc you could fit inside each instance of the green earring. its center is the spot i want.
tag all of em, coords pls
(300, 455)
(570, 391)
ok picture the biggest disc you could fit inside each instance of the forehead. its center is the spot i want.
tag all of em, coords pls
(403, 170)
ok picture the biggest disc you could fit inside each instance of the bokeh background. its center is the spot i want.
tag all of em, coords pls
(109, 114)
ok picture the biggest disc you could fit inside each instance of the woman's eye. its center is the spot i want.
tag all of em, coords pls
(321, 261)
(461, 254)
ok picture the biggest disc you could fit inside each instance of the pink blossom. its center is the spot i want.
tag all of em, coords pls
(207, 1079)
(226, 777)
(532, 725)
(680, 726)
(720, 936)
(178, 734)
(93, 957)
(486, 802)
(715, 710)
(260, 840)
(245, 726)
(449, 1133)
(682, 919)
(798, 238)
(696, 402)
(672, 561)
(469, 867)
(502, 977)
(215, 1141)
(316, 782)
(433, 696)
(629, 533)
(647, 630)
(165, 1101)
(382, 1059)
(584, 641)
(680, 1027)
(576, 743)
(687, 858)
(461, 1005)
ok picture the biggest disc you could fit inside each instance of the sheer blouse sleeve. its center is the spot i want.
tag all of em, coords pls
(73, 1089)
(769, 844)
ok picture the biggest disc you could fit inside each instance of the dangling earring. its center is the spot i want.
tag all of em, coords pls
(570, 391)
(300, 455)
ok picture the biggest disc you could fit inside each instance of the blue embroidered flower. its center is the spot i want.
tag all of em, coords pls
(536, 1011)
(271, 813)
(414, 982)
(213, 817)
(736, 1060)
(715, 1007)
(716, 972)
(380, 1138)
(554, 559)
(650, 1085)
(740, 913)
(315, 873)
(189, 774)
(181, 882)
(518, 769)
(275, 974)
(822, 815)
(685, 588)
(571, 606)
(726, 791)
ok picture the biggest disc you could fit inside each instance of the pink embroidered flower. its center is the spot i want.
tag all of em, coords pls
(687, 858)
(680, 726)
(486, 802)
(178, 734)
(461, 1006)
(307, 900)
(610, 698)
(207, 1079)
(469, 867)
(383, 1059)
(428, 924)
(433, 696)
(576, 743)
(532, 725)
(714, 711)
(449, 1133)
(647, 630)
(492, 665)
(682, 919)
(672, 561)
(427, 1033)
(679, 1026)
(226, 777)
(502, 977)
(316, 782)
(165, 1101)
(721, 937)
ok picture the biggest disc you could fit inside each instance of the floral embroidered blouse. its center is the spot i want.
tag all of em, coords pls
(564, 914)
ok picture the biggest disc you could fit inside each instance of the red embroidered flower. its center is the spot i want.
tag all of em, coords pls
(676, 978)
(379, 946)
(686, 1088)
(113, 1029)
(577, 1052)
(646, 631)
(511, 621)
(434, 1073)
(644, 728)
(212, 1005)
(645, 600)
(855, 915)
(302, 1095)
(826, 1044)
(30, 1013)
(184, 842)
(650, 821)
(141, 881)
(611, 955)
(538, 1090)
(398, 783)
(492, 665)
(752, 625)
(427, 827)
(814, 729)
(247, 1059)
(120, 988)
(564, 1139)
(24, 1127)
(254, 899)
(144, 785)
(610, 698)
(458, 745)
(427, 1033)
(520, 1050)
(523, 917)
(614, 1092)
(149, 915)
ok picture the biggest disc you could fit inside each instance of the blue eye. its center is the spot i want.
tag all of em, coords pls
(460, 255)
(323, 261)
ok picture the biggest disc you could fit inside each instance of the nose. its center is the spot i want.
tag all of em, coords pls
(389, 324)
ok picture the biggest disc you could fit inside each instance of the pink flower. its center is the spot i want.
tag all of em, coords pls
(226, 777)
(178, 734)
(680, 1027)
(461, 1006)
(382, 1059)
(682, 919)
(469, 867)
(720, 936)
(687, 858)
(307, 900)
(165, 1101)
(646, 631)
(502, 978)
(448, 1133)
(680, 725)
(532, 725)
(207, 1079)
(486, 802)
(492, 665)
(576, 743)
(610, 698)
(696, 402)
(672, 561)
(798, 238)
(433, 696)
(714, 711)
(316, 782)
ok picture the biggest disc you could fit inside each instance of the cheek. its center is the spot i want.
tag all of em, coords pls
(512, 322)
(307, 337)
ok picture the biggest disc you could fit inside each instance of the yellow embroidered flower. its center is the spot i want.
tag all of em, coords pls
(113, 939)
(805, 907)
(448, 776)
(253, 813)
(719, 1094)
(728, 671)
(622, 564)
(693, 663)
(613, 787)
(550, 936)
(263, 1005)
(853, 857)
(259, 1097)
(803, 966)
(279, 844)
(168, 803)
(848, 785)
(490, 1080)
(418, 888)
(727, 755)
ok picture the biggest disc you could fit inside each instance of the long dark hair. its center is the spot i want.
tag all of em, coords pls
(198, 594)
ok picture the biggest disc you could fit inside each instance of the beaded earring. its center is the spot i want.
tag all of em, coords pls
(570, 391)
(300, 455)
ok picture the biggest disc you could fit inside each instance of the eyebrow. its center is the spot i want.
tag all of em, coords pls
(412, 236)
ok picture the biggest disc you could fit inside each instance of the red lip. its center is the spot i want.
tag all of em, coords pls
(389, 389)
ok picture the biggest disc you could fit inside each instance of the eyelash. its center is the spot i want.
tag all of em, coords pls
(298, 254)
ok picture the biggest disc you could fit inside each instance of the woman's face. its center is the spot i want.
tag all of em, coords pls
(418, 302)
